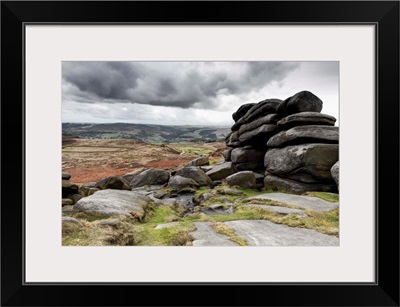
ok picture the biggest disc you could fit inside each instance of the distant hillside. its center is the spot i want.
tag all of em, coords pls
(147, 133)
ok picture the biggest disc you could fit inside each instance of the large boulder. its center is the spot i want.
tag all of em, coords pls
(178, 183)
(150, 177)
(242, 111)
(306, 163)
(265, 107)
(221, 171)
(276, 183)
(227, 154)
(241, 155)
(258, 136)
(201, 161)
(304, 101)
(305, 118)
(195, 173)
(112, 182)
(305, 134)
(253, 166)
(267, 119)
(245, 179)
(129, 176)
(114, 202)
(232, 139)
(335, 173)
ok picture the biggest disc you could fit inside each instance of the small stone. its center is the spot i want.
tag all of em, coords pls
(197, 174)
(222, 171)
(335, 173)
(244, 179)
(178, 182)
(67, 220)
(150, 177)
(67, 202)
(201, 161)
(112, 182)
(65, 176)
(76, 197)
(167, 225)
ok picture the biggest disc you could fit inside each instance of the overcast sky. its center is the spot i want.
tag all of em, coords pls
(187, 93)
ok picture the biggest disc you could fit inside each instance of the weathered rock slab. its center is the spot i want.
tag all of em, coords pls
(258, 136)
(306, 163)
(265, 107)
(266, 233)
(306, 202)
(114, 202)
(221, 171)
(205, 235)
(279, 209)
(289, 185)
(242, 111)
(306, 118)
(305, 134)
(267, 119)
(241, 155)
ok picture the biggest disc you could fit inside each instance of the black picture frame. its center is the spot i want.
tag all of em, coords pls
(383, 14)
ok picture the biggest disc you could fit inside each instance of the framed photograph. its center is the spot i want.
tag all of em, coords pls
(195, 146)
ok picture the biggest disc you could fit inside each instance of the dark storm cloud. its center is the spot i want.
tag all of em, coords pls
(105, 79)
(178, 84)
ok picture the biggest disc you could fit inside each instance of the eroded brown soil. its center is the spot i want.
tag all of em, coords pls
(88, 160)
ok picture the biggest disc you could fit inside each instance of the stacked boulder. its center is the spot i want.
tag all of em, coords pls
(290, 142)
(69, 191)
(254, 125)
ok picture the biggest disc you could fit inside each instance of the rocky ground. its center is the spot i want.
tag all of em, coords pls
(183, 213)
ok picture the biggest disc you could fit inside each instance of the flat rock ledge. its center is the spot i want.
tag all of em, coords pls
(306, 202)
(205, 235)
(266, 233)
(279, 209)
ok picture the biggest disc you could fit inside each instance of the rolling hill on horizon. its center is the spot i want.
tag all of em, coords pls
(149, 133)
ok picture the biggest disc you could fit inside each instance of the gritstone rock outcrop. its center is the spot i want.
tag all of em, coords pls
(289, 142)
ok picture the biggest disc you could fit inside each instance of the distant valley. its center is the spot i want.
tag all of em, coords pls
(153, 134)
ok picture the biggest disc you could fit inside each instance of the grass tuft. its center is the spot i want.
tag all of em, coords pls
(225, 230)
(332, 197)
